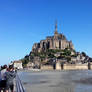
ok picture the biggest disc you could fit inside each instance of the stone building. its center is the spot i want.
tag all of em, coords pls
(30, 65)
(18, 64)
(58, 41)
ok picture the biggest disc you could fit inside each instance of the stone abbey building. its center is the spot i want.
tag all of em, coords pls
(58, 41)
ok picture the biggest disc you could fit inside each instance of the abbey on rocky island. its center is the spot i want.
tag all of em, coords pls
(58, 41)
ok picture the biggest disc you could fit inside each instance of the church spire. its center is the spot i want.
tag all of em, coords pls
(56, 32)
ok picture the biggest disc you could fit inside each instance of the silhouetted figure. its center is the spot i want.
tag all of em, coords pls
(54, 64)
(89, 65)
(62, 65)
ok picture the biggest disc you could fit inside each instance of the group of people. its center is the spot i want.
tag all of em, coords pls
(7, 75)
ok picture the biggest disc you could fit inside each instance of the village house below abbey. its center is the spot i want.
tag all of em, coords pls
(58, 41)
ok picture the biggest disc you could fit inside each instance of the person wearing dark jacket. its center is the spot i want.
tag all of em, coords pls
(10, 75)
(2, 78)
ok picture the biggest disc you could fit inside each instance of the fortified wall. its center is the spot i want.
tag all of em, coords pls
(68, 67)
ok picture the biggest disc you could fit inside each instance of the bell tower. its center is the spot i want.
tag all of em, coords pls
(56, 32)
(56, 40)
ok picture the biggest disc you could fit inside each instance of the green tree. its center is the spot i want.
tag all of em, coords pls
(84, 54)
(25, 60)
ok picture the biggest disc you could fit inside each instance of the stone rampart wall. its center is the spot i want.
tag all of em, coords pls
(46, 67)
(75, 67)
(67, 67)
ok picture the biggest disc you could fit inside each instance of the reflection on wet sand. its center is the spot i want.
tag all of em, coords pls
(57, 81)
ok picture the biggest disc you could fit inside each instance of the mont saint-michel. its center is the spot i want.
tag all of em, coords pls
(58, 41)
(56, 52)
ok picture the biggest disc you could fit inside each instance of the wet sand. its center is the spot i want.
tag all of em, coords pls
(57, 81)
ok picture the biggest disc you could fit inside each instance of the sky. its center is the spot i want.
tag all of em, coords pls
(24, 22)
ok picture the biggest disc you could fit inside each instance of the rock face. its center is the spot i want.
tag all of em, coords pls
(58, 41)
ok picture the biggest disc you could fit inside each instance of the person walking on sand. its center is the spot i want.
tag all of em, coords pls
(10, 75)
